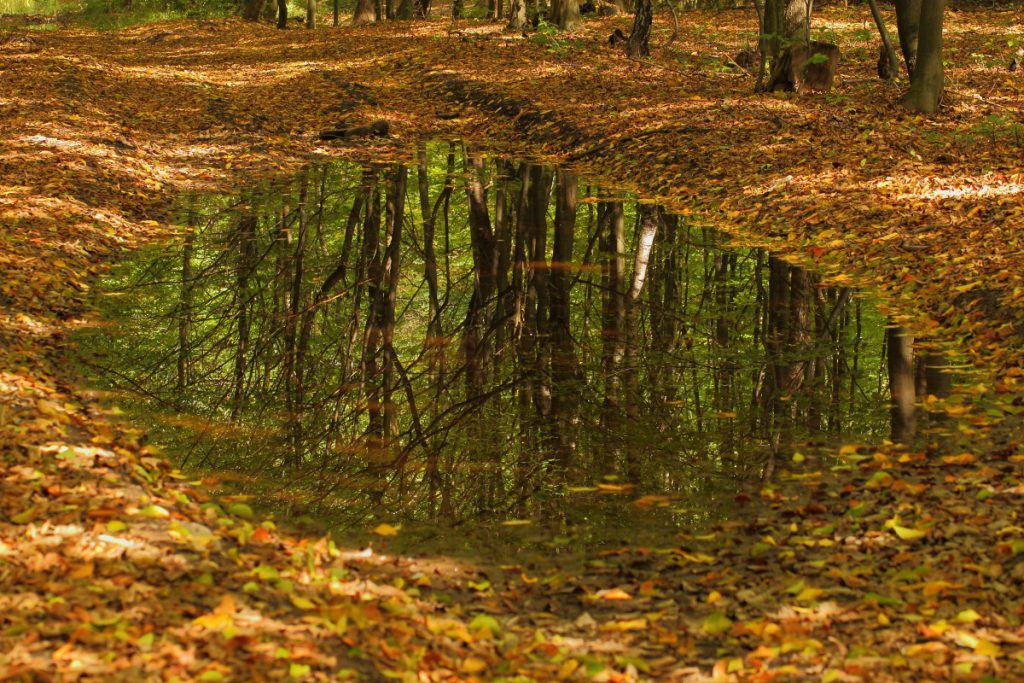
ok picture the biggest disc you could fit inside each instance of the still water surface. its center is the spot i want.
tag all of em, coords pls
(496, 355)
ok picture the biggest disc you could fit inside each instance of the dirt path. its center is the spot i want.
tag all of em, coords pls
(898, 566)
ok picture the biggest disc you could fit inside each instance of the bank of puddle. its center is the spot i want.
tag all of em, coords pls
(525, 365)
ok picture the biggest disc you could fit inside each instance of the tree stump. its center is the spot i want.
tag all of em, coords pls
(805, 68)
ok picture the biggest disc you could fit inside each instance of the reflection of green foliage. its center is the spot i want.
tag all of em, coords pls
(698, 416)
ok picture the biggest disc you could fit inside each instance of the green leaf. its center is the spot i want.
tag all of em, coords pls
(241, 510)
(716, 623)
(157, 511)
(485, 622)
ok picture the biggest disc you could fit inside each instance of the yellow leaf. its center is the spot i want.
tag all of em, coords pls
(808, 594)
(613, 594)
(473, 665)
(967, 616)
(386, 530)
(908, 534)
(302, 603)
(567, 669)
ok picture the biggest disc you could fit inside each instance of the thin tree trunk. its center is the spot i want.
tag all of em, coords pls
(927, 80)
(185, 308)
(639, 41)
(908, 26)
(883, 32)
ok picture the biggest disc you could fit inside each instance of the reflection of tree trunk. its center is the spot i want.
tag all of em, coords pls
(900, 351)
(563, 359)
(245, 264)
(374, 321)
(800, 294)
(482, 240)
(394, 218)
(612, 224)
(647, 231)
(185, 307)
(293, 389)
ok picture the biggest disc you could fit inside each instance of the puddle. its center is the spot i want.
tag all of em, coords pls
(522, 362)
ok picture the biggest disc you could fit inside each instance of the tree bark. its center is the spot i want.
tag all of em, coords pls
(908, 25)
(282, 13)
(566, 14)
(252, 10)
(883, 32)
(517, 16)
(928, 79)
(638, 44)
(902, 391)
(311, 14)
(366, 13)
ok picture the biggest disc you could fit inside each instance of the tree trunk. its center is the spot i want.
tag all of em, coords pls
(908, 25)
(566, 14)
(366, 13)
(243, 269)
(639, 41)
(517, 15)
(310, 13)
(928, 79)
(282, 13)
(394, 218)
(405, 9)
(185, 309)
(900, 351)
(883, 32)
(252, 10)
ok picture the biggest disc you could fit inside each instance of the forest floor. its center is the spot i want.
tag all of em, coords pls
(895, 565)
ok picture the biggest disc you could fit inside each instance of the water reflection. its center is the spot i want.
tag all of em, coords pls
(474, 339)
